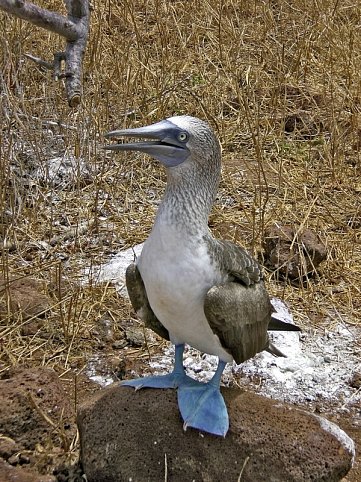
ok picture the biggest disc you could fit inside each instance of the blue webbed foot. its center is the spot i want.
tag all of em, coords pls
(203, 407)
(172, 380)
(175, 379)
(201, 404)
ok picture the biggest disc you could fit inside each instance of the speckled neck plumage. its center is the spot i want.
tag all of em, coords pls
(190, 193)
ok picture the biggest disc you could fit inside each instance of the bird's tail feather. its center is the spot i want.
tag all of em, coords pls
(274, 350)
(278, 325)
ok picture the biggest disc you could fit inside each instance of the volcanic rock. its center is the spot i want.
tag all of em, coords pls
(22, 297)
(127, 435)
(33, 407)
(16, 474)
(292, 253)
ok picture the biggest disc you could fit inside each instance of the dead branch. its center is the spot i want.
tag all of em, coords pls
(74, 28)
(43, 63)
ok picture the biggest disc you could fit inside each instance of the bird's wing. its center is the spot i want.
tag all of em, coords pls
(239, 310)
(239, 316)
(139, 299)
(241, 267)
(236, 262)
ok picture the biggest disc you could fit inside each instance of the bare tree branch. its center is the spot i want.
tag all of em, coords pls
(78, 12)
(41, 17)
(77, 8)
(41, 62)
(74, 28)
(59, 57)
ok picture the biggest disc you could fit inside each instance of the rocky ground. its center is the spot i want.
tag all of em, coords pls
(39, 435)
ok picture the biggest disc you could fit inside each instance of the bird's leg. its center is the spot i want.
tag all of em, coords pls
(175, 379)
(202, 405)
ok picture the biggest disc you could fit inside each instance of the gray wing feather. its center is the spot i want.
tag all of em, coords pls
(239, 316)
(139, 299)
(239, 311)
(236, 262)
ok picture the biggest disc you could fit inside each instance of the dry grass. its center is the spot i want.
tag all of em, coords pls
(253, 69)
(280, 83)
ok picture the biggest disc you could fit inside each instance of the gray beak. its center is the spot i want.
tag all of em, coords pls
(166, 145)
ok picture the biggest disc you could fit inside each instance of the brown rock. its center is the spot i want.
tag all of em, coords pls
(23, 297)
(135, 336)
(355, 381)
(33, 407)
(293, 254)
(303, 123)
(15, 474)
(31, 328)
(127, 435)
(8, 447)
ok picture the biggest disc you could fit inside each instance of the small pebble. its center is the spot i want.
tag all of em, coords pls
(119, 344)
(135, 336)
(14, 459)
(355, 381)
(24, 459)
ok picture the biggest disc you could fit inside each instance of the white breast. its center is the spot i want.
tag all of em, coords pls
(177, 274)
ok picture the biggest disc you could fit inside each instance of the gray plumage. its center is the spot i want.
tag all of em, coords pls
(229, 301)
(188, 286)
(139, 299)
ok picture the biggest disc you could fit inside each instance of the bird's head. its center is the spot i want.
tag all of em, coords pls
(176, 141)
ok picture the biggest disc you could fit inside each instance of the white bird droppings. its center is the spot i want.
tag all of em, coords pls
(318, 366)
(338, 433)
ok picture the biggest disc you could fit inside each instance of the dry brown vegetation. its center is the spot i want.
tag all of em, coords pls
(281, 84)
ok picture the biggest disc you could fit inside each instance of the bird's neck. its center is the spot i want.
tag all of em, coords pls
(188, 199)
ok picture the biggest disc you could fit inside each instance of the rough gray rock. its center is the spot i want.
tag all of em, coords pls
(16, 474)
(22, 297)
(34, 407)
(138, 436)
(293, 254)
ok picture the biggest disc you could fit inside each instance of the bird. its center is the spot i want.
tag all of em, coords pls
(187, 286)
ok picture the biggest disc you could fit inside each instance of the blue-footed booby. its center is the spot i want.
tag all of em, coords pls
(188, 286)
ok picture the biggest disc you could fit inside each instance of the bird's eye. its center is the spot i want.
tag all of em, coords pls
(183, 136)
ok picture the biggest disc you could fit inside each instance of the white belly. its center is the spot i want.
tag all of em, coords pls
(177, 276)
